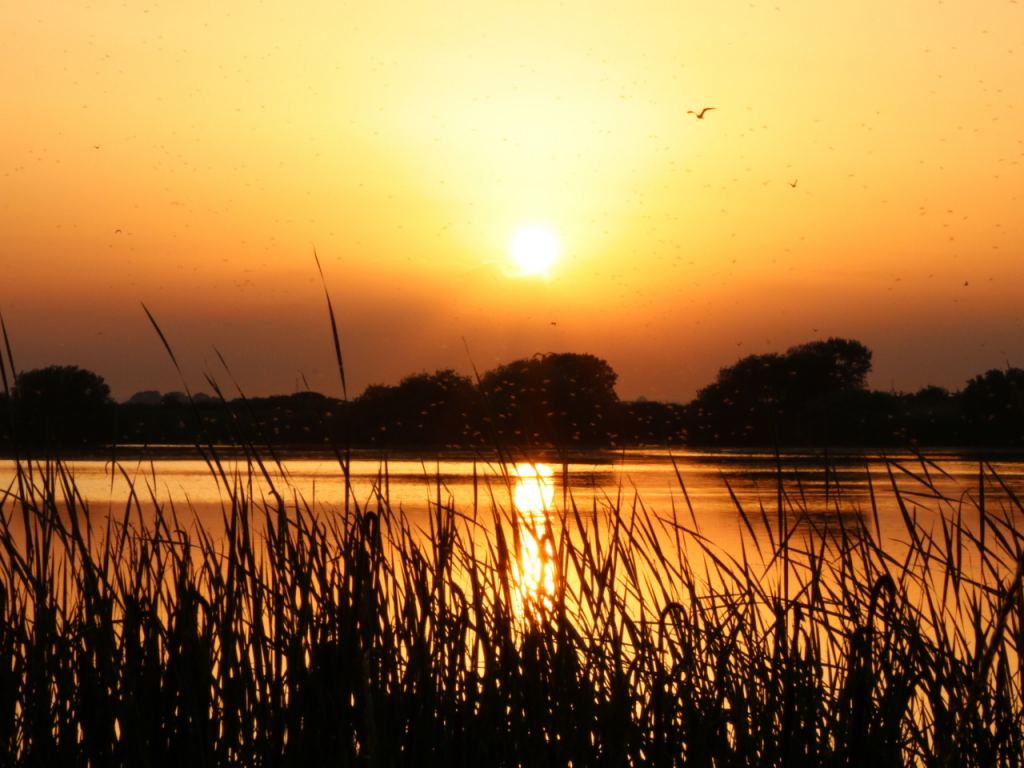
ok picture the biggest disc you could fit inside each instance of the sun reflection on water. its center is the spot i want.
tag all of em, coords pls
(532, 495)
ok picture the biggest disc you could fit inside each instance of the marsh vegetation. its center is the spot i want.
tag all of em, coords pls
(522, 631)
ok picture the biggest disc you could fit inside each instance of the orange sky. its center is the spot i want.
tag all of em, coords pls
(409, 142)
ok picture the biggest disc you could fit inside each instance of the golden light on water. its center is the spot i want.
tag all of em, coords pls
(534, 250)
(533, 491)
(532, 496)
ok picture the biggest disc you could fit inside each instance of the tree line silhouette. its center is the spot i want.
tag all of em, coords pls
(814, 394)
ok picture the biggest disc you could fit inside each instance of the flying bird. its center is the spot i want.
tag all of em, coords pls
(793, 183)
(700, 115)
(95, 146)
(117, 231)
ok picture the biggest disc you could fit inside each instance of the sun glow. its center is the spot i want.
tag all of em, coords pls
(532, 496)
(533, 492)
(534, 249)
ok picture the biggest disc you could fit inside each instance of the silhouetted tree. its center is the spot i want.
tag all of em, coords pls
(931, 395)
(553, 399)
(5, 421)
(822, 367)
(146, 397)
(935, 416)
(855, 417)
(812, 394)
(440, 408)
(649, 422)
(739, 406)
(63, 403)
(994, 403)
(302, 417)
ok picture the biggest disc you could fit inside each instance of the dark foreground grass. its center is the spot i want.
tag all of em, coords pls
(297, 637)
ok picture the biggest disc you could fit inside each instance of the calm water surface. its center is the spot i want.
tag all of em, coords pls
(596, 481)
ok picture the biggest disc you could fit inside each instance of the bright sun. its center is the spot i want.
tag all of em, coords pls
(534, 249)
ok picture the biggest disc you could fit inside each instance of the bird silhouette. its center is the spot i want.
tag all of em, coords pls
(793, 183)
(699, 115)
(117, 231)
(95, 146)
(965, 283)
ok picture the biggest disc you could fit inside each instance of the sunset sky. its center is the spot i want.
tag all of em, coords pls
(191, 155)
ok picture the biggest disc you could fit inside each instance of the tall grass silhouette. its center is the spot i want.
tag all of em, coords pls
(301, 637)
(295, 635)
